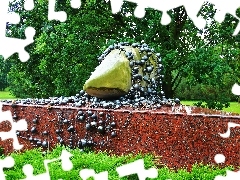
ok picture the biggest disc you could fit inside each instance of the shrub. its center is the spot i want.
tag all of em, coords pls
(210, 96)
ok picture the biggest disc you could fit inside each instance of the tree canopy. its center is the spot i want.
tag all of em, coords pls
(64, 54)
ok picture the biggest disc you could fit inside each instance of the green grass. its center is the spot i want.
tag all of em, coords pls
(101, 162)
(234, 106)
(6, 95)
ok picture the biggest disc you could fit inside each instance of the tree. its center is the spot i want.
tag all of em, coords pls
(4, 69)
(70, 47)
(185, 54)
(64, 54)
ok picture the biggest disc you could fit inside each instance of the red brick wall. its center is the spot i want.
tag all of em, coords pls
(180, 139)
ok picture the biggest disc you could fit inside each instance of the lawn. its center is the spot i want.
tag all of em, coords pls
(100, 162)
(6, 95)
(234, 106)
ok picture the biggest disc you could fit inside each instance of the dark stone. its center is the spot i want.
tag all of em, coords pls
(45, 133)
(113, 124)
(70, 129)
(44, 144)
(113, 134)
(34, 130)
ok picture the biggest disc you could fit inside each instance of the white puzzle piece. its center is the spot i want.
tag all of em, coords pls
(192, 9)
(8, 45)
(7, 162)
(65, 162)
(20, 125)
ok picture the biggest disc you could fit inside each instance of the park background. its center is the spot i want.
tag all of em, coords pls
(200, 67)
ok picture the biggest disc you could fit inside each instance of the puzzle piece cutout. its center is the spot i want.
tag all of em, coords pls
(87, 173)
(192, 9)
(60, 15)
(20, 125)
(236, 89)
(230, 125)
(219, 158)
(7, 162)
(29, 5)
(8, 45)
(65, 162)
(224, 8)
(231, 175)
(137, 167)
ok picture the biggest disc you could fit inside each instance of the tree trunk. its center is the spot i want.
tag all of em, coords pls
(167, 85)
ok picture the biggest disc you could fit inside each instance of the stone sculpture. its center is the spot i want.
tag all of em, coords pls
(127, 70)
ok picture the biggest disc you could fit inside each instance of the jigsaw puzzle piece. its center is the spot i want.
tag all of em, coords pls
(229, 175)
(66, 162)
(9, 46)
(21, 125)
(166, 19)
(4, 17)
(53, 15)
(226, 7)
(13, 45)
(236, 88)
(137, 167)
(87, 173)
(7, 162)
(75, 4)
(28, 172)
(230, 125)
(140, 11)
(165, 6)
(193, 8)
(29, 5)
(237, 30)
(12, 18)
(116, 5)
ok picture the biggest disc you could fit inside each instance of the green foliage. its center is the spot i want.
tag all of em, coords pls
(214, 95)
(4, 69)
(233, 108)
(211, 104)
(64, 54)
(100, 162)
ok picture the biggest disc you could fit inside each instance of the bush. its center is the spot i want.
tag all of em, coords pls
(210, 96)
